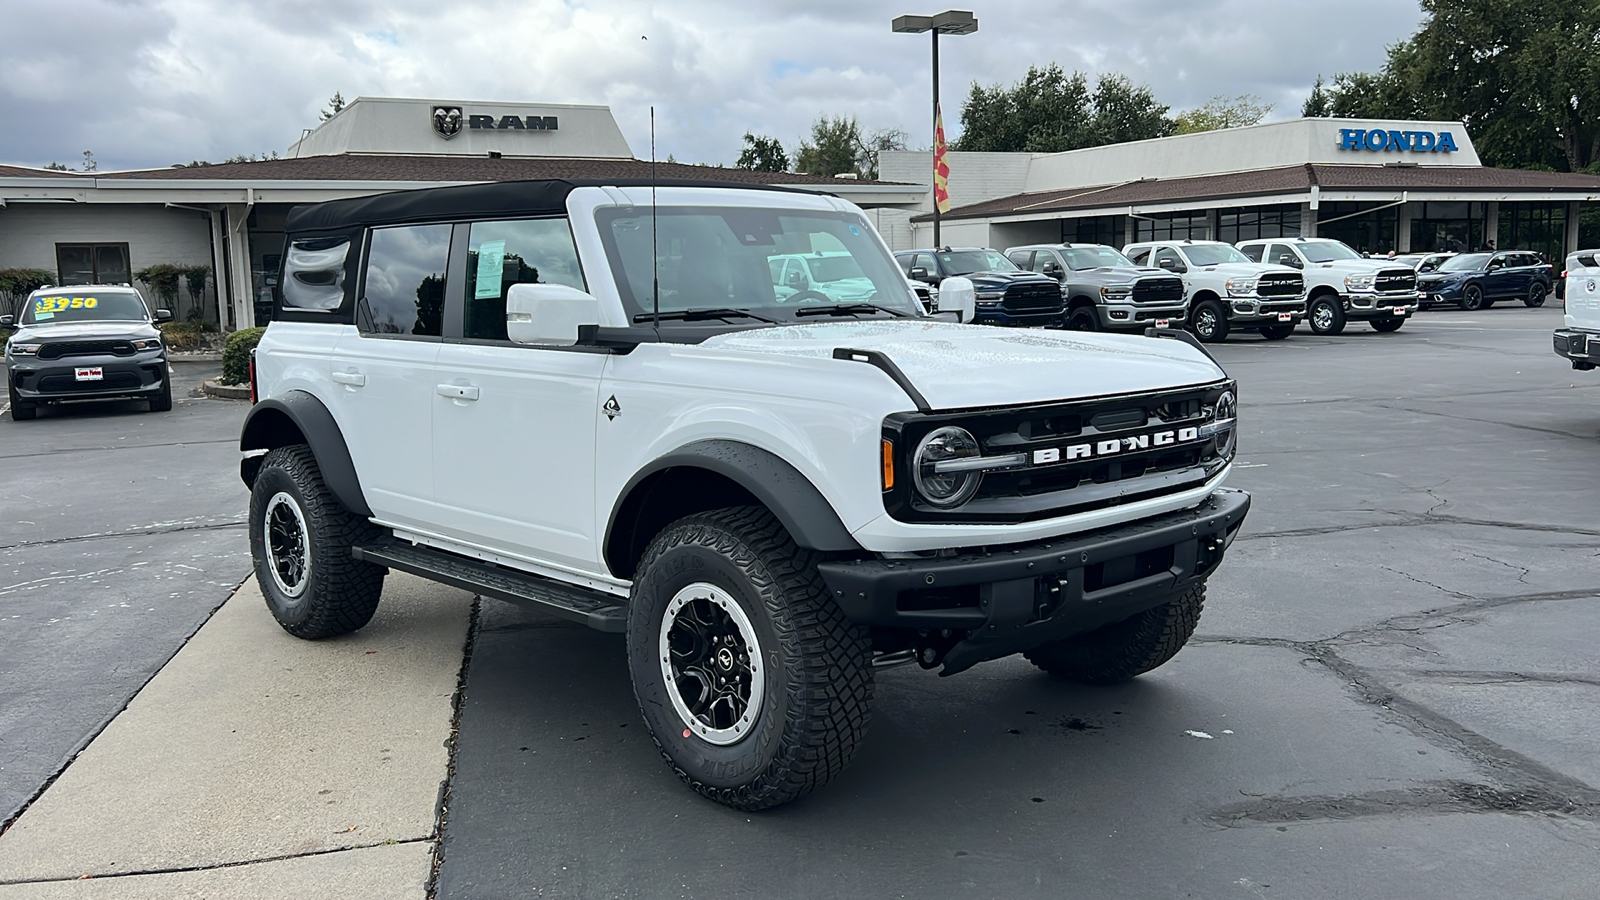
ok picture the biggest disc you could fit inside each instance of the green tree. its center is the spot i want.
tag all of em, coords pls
(89, 164)
(1124, 111)
(54, 166)
(762, 154)
(1222, 112)
(1049, 110)
(335, 103)
(874, 144)
(833, 149)
(1319, 103)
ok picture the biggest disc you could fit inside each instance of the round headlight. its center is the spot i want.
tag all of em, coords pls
(1223, 417)
(948, 489)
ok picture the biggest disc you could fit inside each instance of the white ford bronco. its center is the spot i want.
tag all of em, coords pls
(1342, 285)
(594, 399)
(1226, 290)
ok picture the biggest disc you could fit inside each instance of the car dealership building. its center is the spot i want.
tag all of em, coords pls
(104, 226)
(1376, 185)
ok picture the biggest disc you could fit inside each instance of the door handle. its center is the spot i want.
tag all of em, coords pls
(353, 379)
(457, 391)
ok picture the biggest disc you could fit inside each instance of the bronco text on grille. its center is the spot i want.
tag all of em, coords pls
(1060, 459)
(1281, 284)
(1158, 290)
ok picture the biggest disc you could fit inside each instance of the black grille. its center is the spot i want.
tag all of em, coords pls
(1158, 290)
(1032, 297)
(1395, 281)
(1281, 284)
(86, 348)
(114, 381)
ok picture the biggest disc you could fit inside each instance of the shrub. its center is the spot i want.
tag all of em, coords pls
(236, 355)
(181, 335)
(163, 280)
(17, 284)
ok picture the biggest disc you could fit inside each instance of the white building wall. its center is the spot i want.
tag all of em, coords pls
(29, 233)
(974, 177)
(398, 125)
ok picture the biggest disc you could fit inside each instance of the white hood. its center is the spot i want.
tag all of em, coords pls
(1244, 270)
(959, 366)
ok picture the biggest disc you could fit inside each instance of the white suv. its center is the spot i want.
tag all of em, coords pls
(1579, 341)
(1341, 285)
(1227, 290)
(592, 398)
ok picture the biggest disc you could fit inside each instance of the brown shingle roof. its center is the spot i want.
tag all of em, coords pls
(30, 172)
(1285, 180)
(365, 167)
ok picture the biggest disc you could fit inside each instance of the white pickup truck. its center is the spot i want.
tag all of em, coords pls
(609, 401)
(1341, 284)
(1226, 290)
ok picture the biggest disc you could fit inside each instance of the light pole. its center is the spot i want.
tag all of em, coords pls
(951, 21)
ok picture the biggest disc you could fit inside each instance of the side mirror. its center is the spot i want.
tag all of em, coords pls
(957, 295)
(1172, 265)
(1054, 271)
(6, 321)
(918, 273)
(1494, 264)
(163, 315)
(548, 314)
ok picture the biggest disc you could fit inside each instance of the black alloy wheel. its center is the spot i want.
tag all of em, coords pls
(1210, 322)
(1472, 298)
(1326, 316)
(1536, 292)
(1122, 650)
(1276, 332)
(1083, 319)
(1389, 324)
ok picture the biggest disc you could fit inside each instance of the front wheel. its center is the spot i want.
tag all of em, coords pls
(300, 540)
(1326, 316)
(1082, 320)
(1121, 650)
(1536, 292)
(754, 685)
(1276, 332)
(1389, 324)
(1472, 297)
(162, 402)
(20, 410)
(1210, 322)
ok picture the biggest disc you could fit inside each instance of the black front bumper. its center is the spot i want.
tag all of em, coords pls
(1006, 599)
(42, 381)
(1577, 346)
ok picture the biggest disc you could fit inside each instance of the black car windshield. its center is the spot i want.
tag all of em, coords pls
(1326, 251)
(965, 262)
(749, 259)
(95, 305)
(1467, 262)
(1094, 257)
(1213, 254)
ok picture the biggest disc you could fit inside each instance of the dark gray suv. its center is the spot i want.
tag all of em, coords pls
(85, 342)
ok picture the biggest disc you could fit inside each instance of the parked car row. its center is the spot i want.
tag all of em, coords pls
(1265, 285)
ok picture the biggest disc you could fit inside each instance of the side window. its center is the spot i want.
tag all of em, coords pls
(1588, 262)
(1282, 255)
(1140, 257)
(1023, 258)
(501, 254)
(775, 268)
(903, 259)
(313, 273)
(1253, 251)
(1042, 259)
(926, 261)
(403, 289)
(1167, 258)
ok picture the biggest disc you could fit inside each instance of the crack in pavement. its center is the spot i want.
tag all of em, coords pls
(1534, 428)
(1405, 519)
(1433, 799)
(1522, 571)
(140, 531)
(233, 864)
(61, 450)
(1455, 676)
(1428, 583)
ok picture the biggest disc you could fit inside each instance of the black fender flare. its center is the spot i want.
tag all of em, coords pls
(780, 487)
(297, 417)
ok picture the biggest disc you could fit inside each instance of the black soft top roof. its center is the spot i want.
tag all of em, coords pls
(470, 201)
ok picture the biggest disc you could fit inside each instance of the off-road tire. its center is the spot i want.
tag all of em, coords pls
(1119, 651)
(1276, 332)
(1209, 322)
(1389, 324)
(162, 402)
(1536, 294)
(1083, 319)
(20, 411)
(817, 677)
(1472, 298)
(1325, 316)
(337, 594)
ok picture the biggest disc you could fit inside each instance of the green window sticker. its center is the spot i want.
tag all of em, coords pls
(491, 269)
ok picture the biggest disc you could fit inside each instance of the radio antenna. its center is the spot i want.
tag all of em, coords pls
(655, 247)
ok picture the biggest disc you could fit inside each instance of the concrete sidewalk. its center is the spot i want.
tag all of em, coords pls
(258, 765)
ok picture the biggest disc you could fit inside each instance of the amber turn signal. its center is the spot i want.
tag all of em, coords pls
(888, 465)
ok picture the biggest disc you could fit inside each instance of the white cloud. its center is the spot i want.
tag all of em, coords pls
(163, 81)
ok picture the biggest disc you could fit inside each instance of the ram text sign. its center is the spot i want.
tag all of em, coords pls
(449, 121)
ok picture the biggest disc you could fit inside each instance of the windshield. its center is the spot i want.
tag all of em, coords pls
(1327, 251)
(1213, 254)
(965, 262)
(770, 262)
(1094, 257)
(85, 306)
(1470, 262)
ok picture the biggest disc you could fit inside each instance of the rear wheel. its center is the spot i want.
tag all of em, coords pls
(1390, 324)
(1536, 292)
(1472, 297)
(754, 685)
(1082, 319)
(1276, 332)
(1326, 316)
(1210, 322)
(1121, 650)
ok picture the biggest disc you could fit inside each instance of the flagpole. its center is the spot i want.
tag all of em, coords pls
(935, 33)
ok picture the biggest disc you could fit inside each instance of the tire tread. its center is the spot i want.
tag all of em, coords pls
(1122, 650)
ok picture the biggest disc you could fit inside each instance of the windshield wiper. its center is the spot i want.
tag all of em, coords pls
(696, 315)
(846, 309)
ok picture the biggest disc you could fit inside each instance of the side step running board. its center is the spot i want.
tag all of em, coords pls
(597, 610)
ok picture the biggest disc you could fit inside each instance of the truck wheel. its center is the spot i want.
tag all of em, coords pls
(300, 540)
(1536, 292)
(1121, 650)
(753, 684)
(1082, 320)
(1392, 323)
(1325, 316)
(20, 411)
(1210, 322)
(162, 402)
(1472, 297)
(1276, 332)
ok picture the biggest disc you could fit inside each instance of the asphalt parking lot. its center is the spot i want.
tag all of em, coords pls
(1393, 691)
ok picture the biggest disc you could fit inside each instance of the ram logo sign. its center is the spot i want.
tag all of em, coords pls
(1380, 139)
(449, 121)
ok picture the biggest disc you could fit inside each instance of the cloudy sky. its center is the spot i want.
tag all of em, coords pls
(153, 82)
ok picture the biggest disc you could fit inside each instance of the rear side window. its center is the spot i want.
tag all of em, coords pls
(313, 273)
(1140, 256)
(501, 254)
(1253, 251)
(403, 288)
(1587, 261)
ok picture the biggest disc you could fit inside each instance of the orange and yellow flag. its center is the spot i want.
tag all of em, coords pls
(941, 165)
